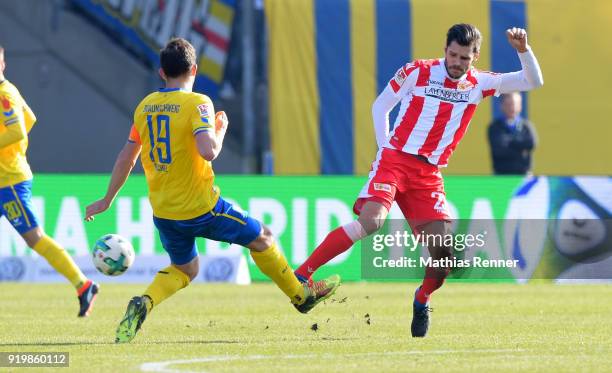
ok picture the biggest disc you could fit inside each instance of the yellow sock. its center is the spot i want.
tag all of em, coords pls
(166, 282)
(60, 260)
(274, 265)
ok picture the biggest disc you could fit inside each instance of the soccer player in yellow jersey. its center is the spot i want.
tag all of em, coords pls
(16, 122)
(177, 134)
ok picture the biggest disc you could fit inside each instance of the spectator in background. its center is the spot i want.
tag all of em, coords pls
(512, 138)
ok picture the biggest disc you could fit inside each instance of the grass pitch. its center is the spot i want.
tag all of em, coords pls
(222, 328)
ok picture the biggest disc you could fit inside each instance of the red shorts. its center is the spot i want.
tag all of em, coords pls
(416, 186)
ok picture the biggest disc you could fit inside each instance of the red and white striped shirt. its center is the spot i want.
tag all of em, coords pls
(436, 110)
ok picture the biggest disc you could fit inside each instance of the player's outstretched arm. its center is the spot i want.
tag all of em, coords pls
(123, 166)
(530, 77)
(209, 143)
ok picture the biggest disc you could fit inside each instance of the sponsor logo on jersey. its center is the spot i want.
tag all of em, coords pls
(382, 187)
(203, 109)
(446, 94)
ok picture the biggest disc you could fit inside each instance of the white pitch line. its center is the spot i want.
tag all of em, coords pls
(164, 366)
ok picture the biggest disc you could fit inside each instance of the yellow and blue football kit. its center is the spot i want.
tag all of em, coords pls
(15, 174)
(16, 190)
(186, 203)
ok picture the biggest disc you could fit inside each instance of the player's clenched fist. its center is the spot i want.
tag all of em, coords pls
(517, 37)
(221, 121)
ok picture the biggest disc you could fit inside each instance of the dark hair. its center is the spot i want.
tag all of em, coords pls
(465, 35)
(177, 57)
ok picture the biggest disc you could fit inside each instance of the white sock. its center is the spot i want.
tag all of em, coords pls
(354, 230)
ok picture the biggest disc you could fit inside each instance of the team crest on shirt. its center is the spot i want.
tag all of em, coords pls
(6, 107)
(465, 85)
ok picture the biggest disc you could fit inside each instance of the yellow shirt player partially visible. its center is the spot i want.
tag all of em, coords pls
(17, 119)
(174, 134)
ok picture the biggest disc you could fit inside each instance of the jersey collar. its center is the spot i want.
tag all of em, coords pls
(171, 89)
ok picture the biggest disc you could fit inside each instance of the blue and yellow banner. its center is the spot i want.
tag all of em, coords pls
(328, 60)
(146, 26)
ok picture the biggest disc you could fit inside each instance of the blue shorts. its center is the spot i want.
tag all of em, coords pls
(223, 223)
(16, 205)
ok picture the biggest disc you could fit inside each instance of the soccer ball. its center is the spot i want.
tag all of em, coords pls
(112, 255)
(557, 223)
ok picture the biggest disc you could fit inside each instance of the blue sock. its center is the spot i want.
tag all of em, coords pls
(418, 304)
(301, 278)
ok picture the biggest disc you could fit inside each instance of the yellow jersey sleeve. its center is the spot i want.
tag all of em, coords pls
(14, 133)
(28, 116)
(16, 120)
(203, 115)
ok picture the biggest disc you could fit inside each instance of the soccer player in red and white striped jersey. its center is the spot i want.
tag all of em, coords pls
(437, 99)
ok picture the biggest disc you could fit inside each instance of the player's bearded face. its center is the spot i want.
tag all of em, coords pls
(458, 59)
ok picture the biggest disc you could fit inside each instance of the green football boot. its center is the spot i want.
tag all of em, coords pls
(318, 291)
(134, 316)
